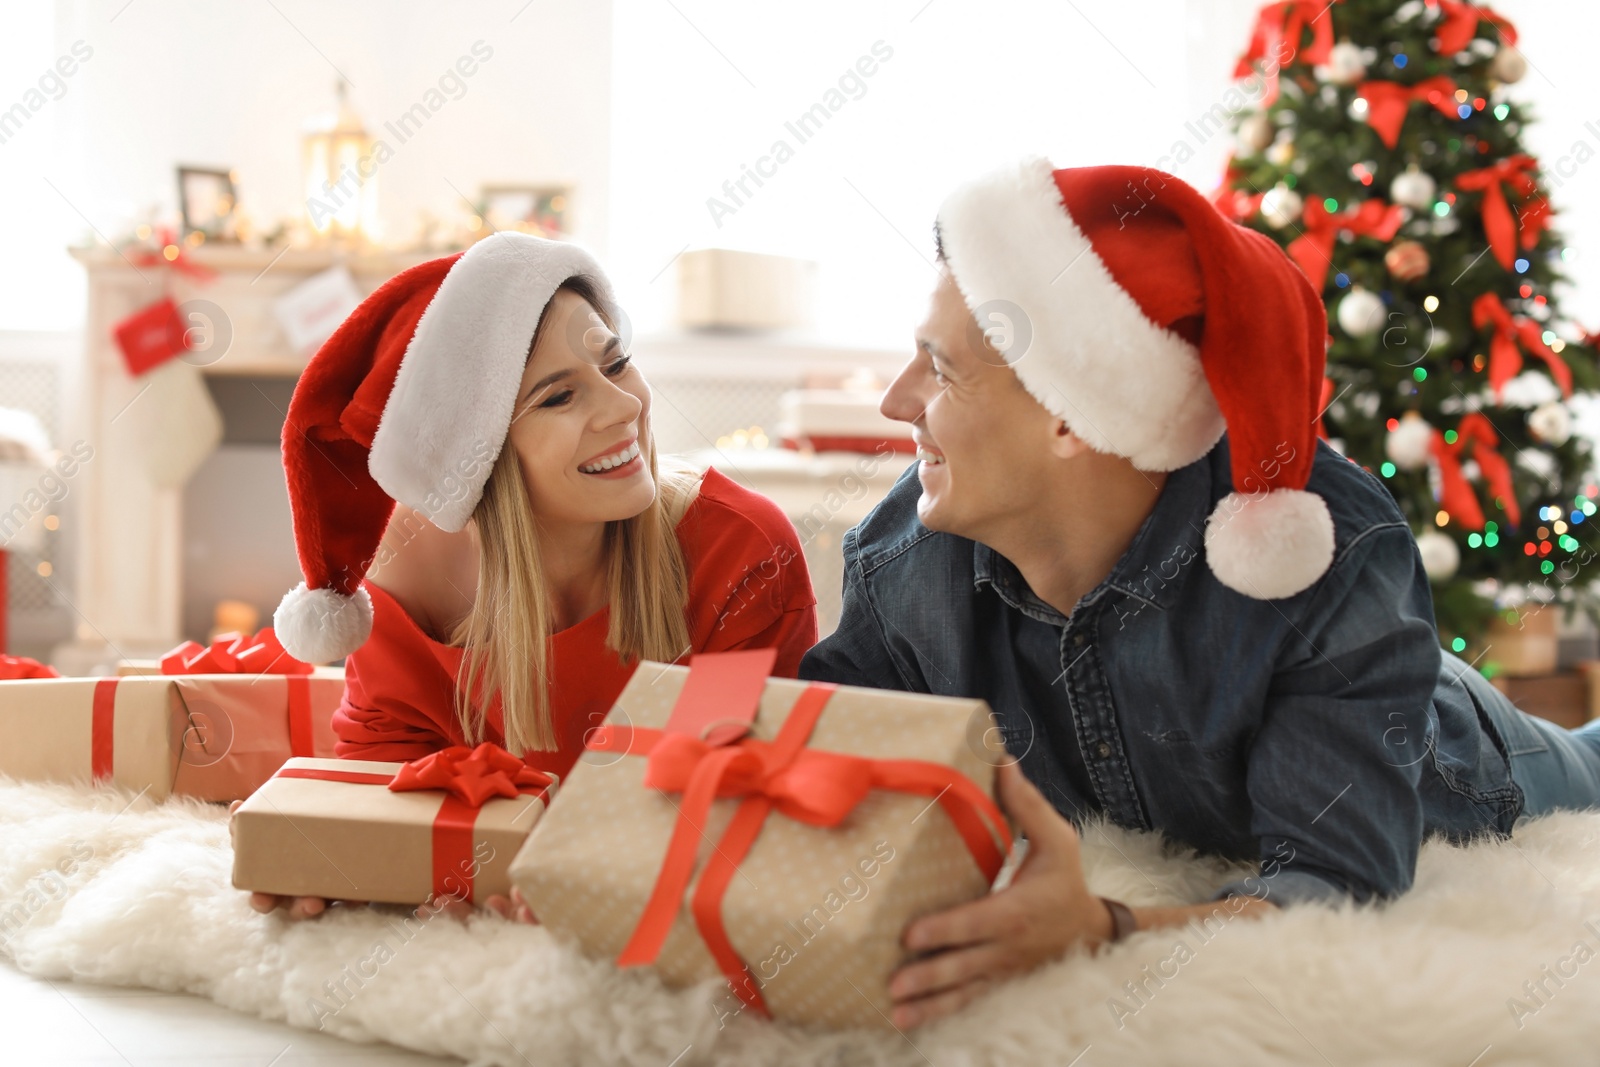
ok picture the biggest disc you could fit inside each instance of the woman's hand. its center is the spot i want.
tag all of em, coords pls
(513, 908)
(297, 907)
(1045, 910)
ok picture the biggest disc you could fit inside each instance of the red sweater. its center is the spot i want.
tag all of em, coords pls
(748, 588)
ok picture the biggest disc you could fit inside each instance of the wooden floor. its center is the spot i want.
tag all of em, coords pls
(63, 1024)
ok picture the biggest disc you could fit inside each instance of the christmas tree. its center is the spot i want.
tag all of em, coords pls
(1384, 153)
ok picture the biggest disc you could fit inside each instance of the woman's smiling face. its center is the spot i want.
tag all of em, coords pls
(581, 425)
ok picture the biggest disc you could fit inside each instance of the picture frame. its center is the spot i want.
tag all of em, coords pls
(544, 210)
(208, 199)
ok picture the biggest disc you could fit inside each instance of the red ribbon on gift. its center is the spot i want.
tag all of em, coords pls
(1456, 494)
(13, 668)
(1460, 25)
(1313, 249)
(237, 653)
(164, 239)
(1388, 102)
(468, 777)
(815, 787)
(1498, 225)
(1505, 359)
(1286, 22)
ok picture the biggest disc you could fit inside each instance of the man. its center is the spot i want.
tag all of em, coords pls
(1227, 638)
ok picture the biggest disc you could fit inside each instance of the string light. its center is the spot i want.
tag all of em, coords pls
(1430, 304)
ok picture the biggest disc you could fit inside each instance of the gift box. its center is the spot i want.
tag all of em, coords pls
(778, 833)
(445, 825)
(216, 735)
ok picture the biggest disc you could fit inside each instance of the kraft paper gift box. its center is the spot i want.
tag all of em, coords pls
(212, 736)
(806, 924)
(445, 825)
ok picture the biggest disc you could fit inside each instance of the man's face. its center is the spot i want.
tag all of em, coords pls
(984, 444)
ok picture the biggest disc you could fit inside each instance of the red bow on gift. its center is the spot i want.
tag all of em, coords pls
(1505, 359)
(234, 653)
(1456, 495)
(472, 775)
(13, 668)
(1284, 23)
(1498, 224)
(1388, 102)
(815, 787)
(1460, 25)
(164, 239)
(1313, 250)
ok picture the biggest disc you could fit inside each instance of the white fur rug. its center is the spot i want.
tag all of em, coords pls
(1436, 978)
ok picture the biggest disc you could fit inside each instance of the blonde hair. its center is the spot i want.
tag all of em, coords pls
(506, 635)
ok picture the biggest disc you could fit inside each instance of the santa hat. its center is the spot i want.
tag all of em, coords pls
(410, 400)
(1153, 324)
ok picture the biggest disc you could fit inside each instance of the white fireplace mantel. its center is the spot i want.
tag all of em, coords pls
(129, 571)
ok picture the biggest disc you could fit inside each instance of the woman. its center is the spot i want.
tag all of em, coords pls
(541, 549)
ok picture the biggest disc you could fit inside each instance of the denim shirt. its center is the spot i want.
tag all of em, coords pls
(1324, 734)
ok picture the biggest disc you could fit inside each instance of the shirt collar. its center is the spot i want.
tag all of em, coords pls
(1168, 544)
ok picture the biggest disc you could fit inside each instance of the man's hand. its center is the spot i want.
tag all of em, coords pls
(1045, 910)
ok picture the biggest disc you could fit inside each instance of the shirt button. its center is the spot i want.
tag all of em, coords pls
(1102, 750)
(1079, 638)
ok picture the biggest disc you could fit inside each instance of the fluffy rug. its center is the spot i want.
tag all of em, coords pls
(1488, 960)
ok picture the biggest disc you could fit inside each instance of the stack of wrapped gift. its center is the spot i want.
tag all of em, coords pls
(775, 832)
(445, 825)
(211, 723)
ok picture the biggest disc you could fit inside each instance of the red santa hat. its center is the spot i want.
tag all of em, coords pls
(1153, 324)
(410, 400)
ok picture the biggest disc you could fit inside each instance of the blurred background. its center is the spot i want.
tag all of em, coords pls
(759, 179)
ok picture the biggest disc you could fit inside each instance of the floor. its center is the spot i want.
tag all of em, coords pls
(63, 1024)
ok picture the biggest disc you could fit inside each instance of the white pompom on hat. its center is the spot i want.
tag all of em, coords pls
(1155, 325)
(410, 400)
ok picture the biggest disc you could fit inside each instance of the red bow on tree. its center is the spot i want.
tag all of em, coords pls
(1460, 25)
(1498, 225)
(1388, 102)
(1456, 494)
(1234, 203)
(1505, 359)
(471, 775)
(1313, 250)
(1283, 24)
(234, 653)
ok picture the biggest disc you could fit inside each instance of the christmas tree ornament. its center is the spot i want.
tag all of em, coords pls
(1413, 188)
(1360, 313)
(1408, 444)
(1281, 206)
(1508, 65)
(1281, 152)
(1551, 423)
(1255, 133)
(1407, 261)
(1440, 555)
(1345, 65)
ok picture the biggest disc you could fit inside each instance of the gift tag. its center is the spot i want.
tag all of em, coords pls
(151, 336)
(720, 698)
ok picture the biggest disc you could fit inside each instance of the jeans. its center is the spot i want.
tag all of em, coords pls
(1557, 768)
